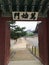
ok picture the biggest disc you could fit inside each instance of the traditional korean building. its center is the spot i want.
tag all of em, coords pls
(6, 9)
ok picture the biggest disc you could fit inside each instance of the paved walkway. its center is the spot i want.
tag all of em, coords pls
(24, 63)
(21, 56)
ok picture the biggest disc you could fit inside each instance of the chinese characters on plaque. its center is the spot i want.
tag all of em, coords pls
(25, 15)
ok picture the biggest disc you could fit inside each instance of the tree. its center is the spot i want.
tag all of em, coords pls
(16, 31)
(19, 32)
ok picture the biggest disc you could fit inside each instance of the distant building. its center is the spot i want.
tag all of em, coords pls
(36, 29)
(29, 32)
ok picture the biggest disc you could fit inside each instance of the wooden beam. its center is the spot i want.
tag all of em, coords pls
(10, 5)
(45, 11)
(41, 5)
(3, 9)
(33, 5)
(6, 18)
(42, 1)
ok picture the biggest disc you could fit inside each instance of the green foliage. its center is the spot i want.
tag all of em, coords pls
(11, 22)
(17, 32)
(30, 34)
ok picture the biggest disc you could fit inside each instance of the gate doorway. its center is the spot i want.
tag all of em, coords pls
(24, 48)
(5, 36)
(28, 38)
(6, 9)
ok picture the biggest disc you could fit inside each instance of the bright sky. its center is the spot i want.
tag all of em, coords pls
(28, 24)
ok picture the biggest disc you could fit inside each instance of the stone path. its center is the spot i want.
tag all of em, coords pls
(21, 56)
(25, 63)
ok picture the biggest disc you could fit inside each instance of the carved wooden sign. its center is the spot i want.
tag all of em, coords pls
(25, 15)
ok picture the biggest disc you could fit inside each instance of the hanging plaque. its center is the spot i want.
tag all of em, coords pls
(25, 15)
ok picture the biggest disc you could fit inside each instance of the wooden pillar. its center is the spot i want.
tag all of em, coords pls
(43, 34)
(48, 38)
(48, 34)
(4, 42)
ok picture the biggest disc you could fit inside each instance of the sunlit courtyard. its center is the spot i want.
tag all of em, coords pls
(25, 49)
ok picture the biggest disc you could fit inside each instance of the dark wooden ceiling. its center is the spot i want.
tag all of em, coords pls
(7, 6)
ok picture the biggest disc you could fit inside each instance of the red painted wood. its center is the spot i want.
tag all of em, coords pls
(6, 18)
(7, 43)
(4, 42)
(48, 37)
(43, 43)
(10, 18)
